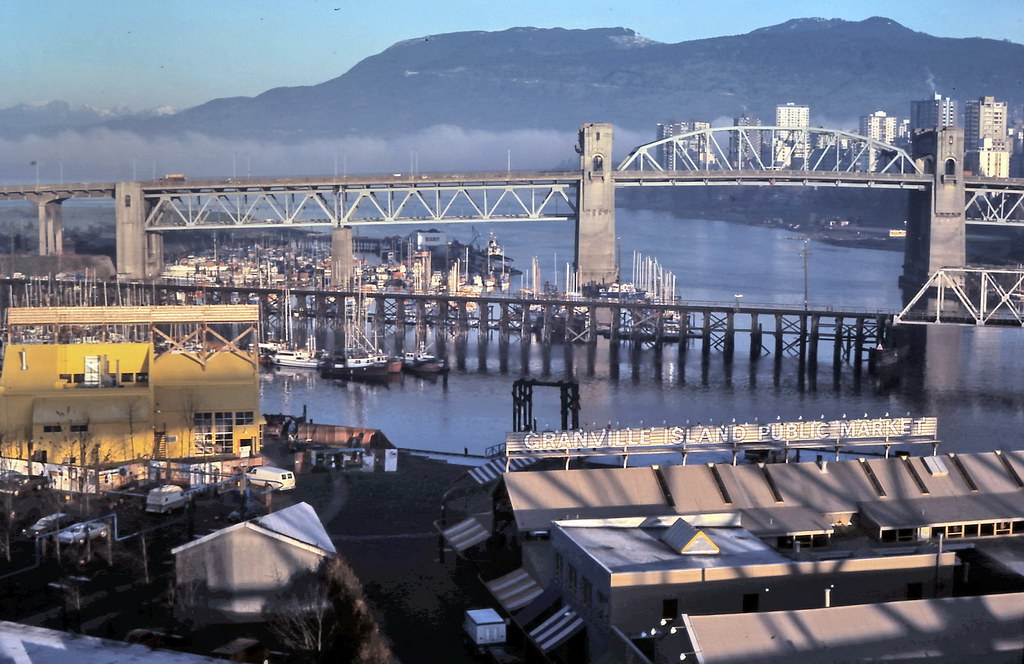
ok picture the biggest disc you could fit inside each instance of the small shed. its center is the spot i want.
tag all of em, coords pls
(334, 447)
(238, 573)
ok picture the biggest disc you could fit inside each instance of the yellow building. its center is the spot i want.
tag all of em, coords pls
(105, 385)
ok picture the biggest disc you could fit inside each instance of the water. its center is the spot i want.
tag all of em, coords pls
(972, 385)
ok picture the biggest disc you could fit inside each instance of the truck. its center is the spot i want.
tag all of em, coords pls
(166, 498)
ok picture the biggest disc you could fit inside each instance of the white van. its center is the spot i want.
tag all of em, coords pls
(166, 498)
(274, 478)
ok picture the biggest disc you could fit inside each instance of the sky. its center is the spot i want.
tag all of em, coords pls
(144, 54)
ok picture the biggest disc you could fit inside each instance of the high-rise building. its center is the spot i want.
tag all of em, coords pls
(934, 113)
(792, 114)
(877, 126)
(985, 137)
(791, 148)
(693, 153)
(745, 148)
(984, 118)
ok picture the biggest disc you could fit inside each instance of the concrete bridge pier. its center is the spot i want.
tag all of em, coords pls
(51, 226)
(140, 254)
(342, 258)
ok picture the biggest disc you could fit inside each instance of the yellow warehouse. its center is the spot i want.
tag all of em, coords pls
(93, 386)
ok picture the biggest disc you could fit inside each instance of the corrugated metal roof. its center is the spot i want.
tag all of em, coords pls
(599, 487)
(920, 512)
(989, 627)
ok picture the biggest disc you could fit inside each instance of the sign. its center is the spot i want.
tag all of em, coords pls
(692, 438)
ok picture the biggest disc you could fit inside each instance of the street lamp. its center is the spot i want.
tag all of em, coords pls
(738, 297)
(805, 252)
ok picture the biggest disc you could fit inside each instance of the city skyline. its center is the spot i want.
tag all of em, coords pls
(149, 56)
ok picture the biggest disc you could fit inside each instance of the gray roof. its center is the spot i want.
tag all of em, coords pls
(632, 549)
(789, 493)
(298, 522)
(942, 510)
(38, 645)
(953, 629)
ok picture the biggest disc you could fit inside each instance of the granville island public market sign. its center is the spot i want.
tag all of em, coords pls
(767, 435)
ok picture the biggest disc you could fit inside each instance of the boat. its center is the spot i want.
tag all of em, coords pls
(361, 358)
(353, 364)
(423, 362)
(299, 358)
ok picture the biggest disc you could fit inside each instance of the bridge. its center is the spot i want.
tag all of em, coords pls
(944, 199)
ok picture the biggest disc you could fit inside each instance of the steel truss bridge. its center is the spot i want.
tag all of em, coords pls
(716, 156)
(969, 296)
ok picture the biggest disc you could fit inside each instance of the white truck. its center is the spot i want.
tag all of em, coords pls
(166, 498)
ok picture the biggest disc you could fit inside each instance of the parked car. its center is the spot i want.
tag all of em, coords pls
(13, 481)
(48, 524)
(79, 533)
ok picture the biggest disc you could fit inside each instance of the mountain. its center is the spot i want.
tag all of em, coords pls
(529, 78)
(55, 116)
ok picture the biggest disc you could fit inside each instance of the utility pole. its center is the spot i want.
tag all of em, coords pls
(805, 252)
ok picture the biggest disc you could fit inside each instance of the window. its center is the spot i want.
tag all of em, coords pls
(670, 608)
(558, 566)
(127, 378)
(79, 428)
(571, 585)
(915, 590)
(588, 593)
(243, 417)
(950, 167)
(142, 378)
(750, 602)
(52, 428)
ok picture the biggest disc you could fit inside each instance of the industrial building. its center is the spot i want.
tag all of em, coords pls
(632, 549)
(93, 387)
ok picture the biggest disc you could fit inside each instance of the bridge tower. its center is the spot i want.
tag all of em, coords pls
(140, 255)
(936, 225)
(595, 223)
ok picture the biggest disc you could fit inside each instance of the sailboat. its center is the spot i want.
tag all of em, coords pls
(359, 359)
(284, 354)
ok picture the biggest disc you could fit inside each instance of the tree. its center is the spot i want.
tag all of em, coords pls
(330, 620)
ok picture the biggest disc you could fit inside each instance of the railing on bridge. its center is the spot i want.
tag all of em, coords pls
(770, 148)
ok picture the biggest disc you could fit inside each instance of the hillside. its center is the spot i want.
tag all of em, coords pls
(556, 79)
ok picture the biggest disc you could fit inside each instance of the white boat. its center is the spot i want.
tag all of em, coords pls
(293, 357)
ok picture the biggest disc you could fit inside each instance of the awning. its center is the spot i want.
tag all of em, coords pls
(494, 468)
(515, 590)
(555, 630)
(465, 534)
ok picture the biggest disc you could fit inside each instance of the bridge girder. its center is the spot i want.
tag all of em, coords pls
(968, 296)
(362, 204)
(770, 148)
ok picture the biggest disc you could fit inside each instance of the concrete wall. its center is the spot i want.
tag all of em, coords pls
(779, 587)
